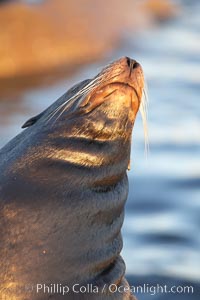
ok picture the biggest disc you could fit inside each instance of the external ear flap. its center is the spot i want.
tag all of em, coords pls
(32, 120)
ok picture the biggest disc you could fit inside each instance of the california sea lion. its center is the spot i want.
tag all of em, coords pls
(63, 187)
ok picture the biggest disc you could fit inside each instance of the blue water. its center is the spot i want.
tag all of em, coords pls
(162, 224)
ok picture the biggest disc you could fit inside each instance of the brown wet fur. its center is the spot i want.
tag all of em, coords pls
(63, 187)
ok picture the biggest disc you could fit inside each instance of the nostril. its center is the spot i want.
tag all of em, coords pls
(135, 65)
(132, 64)
(128, 61)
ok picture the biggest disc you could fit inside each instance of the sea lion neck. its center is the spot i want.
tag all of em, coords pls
(91, 145)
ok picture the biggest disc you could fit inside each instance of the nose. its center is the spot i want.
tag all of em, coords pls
(132, 64)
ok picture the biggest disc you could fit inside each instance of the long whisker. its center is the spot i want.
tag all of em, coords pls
(101, 78)
(86, 89)
(66, 103)
(143, 110)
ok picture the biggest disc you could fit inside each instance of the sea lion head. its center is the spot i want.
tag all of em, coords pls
(102, 109)
(90, 126)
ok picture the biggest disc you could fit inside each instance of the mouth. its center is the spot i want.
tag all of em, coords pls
(121, 84)
(104, 92)
(129, 86)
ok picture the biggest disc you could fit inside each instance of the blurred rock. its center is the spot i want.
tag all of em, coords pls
(55, 36)
(161, 10)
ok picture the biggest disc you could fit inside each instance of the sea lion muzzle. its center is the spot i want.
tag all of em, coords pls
(63, 187)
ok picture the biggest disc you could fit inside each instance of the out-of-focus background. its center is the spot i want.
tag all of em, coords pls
(46, 46)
